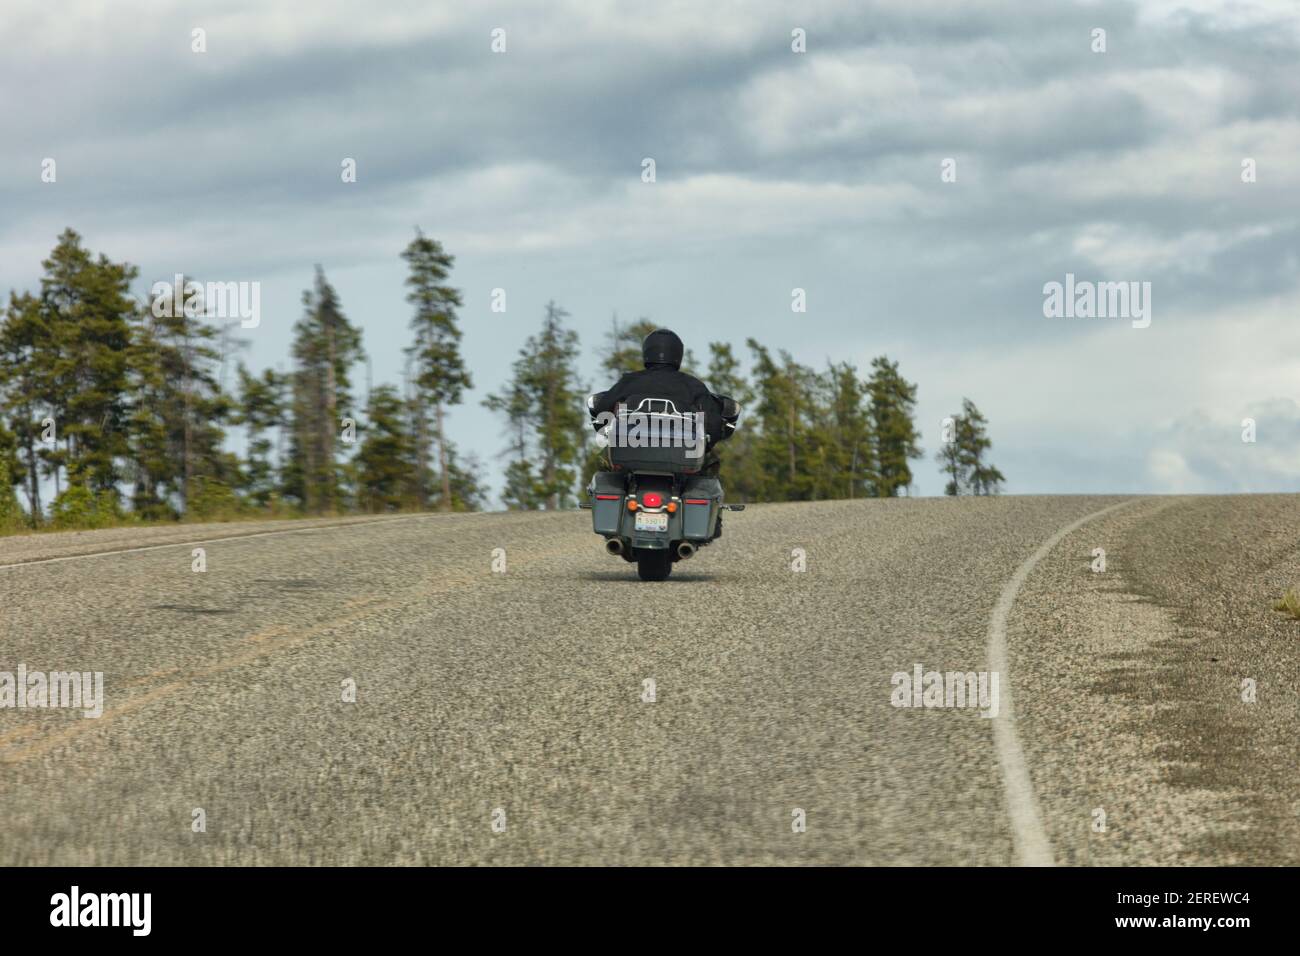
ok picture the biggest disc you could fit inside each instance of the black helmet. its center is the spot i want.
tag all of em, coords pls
(662, 347)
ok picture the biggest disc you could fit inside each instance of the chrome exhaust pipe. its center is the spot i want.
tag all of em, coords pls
(685, 550)
(613, 546)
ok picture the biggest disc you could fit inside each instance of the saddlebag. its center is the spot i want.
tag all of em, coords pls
(701, 501)
(606, 512)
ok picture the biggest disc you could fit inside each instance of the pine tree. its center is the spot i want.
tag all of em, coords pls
(520, 491)
(850, 428)
(950, 461)
(26, 389)
(440, 376)
(791, 449)
(985, 478)
(556, 398)
(737, 455)
(11, 513)
(386, 459)
(962, 459)
(774, 412)
(546, 421)
(724, 374)
(325, 347)
(178, 409)
(263, 408)
(893, 430)
(87, 312)
(466, 481)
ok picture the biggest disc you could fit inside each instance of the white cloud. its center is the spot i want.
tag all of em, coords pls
(826, 100)
(1201, 165)
(1171, 474)
(1222, 14)
(1173, 395)
(530, 207)
(1120, 250)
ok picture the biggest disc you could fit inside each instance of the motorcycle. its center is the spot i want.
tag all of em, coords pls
(654, 507)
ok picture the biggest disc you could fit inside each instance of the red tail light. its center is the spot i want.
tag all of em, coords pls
(651, 500)
(608, 497)
(697, 501)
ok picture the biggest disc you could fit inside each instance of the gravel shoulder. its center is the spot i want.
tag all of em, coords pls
(1129, 685)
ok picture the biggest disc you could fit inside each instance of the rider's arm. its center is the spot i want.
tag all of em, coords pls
(712, 407)
(608, 400)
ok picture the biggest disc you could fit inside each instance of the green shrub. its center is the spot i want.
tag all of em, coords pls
(77, 507)
(212, 500)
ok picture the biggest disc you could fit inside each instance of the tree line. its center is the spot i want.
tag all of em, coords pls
(125, 408)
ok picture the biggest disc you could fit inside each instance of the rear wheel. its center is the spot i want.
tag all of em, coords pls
(653, 565)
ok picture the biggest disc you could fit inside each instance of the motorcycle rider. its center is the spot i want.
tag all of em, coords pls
(662, 377)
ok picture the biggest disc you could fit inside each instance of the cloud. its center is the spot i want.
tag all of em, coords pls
(775, 169)
(1201, 453)
(1150, 410)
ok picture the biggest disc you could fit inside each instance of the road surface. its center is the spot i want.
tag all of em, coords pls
(503, 716)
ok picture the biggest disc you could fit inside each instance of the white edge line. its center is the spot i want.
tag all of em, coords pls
(1032, 846)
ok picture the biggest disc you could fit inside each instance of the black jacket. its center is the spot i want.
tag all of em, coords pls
(687, 392)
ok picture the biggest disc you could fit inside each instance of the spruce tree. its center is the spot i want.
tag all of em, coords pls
(87, 313)
(737, 455)
(178, 409)
(546, 421)
(325, 348)
(263, 410)
(893, 429)
(850, 428)
(440, 377)
(962, 459)
(386, 459)
(26, 356)
(11, 513)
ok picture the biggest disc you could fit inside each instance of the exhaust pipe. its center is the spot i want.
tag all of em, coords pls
(613, 546)
(685, 550)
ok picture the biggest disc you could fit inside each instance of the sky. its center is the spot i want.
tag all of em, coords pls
(775, 170)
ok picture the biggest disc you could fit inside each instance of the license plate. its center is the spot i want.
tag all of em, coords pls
(651, 522)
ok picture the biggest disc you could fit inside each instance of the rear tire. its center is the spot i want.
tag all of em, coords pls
(654, 565)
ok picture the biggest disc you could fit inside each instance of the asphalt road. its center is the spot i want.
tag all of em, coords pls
(499, 716)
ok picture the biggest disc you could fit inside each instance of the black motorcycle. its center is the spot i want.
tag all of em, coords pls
(654, 506)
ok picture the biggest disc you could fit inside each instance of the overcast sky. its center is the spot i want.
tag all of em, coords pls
(775, 170)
